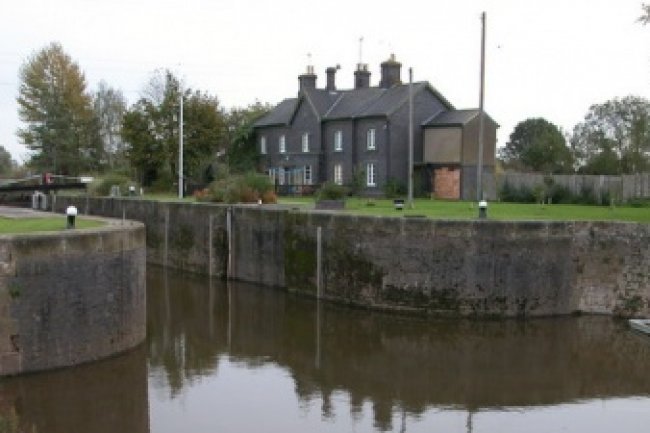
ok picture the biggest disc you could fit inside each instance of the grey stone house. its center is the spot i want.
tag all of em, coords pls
(361, 135)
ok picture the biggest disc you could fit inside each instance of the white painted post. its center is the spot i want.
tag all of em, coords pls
(229, 233)
(319, 258)
(166, 248)
(210, 246)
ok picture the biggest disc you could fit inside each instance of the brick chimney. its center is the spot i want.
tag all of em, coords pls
(307, 80)
(362, 76)
(331, 77)
(390, 73)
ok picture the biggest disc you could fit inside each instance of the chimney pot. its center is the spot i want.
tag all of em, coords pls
(307, 81)
(331, 78)
(361, 76)
(390, 73)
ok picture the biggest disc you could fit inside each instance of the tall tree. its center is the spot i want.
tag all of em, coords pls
(241, 147)
(110, 106)
(537, 145)
(645, 17)
(61, 129)
(614, 137)
(6, 163)
(151, 130)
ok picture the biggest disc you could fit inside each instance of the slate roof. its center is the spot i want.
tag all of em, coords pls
(454, 118)
(280, 115)
(347, 104)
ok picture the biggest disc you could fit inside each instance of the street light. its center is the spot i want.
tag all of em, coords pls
(180, 144)
(479, 162)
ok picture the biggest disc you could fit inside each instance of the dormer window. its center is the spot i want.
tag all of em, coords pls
(282, 144)
(338, 141)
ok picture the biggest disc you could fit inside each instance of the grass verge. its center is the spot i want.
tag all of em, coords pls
(440, 209)
(48, 224)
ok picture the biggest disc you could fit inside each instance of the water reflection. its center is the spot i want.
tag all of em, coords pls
(102, 397)
(202, 334)
(236, 357)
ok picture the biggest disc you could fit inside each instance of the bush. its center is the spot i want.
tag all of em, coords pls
(164, 182)
(201, 195)
(639, 202)
(553, 193)
(523, 194)
(246, 188)
(394, 188)
(560, 194)
(101, 186)
(358, 181)
(331, 191)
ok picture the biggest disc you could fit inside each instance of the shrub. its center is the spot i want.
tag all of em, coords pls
(639, 202)
(331, 191)
(202, 195)
(246, 188)
(101, 186)
(269, 197)
(358, 181)
(163, 183)
(560, 194)
(553, 193)
(523, 194)
(394, 188)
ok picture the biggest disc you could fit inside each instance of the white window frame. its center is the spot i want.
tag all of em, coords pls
(282, 144)
(338, 141)
(305, 142)
(281, 175)
(307, 175)
(370, 139)
(371, 174)
(263, 145)
(272, 175)
(338, 174)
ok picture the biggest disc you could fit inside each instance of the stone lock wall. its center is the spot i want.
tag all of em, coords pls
(475, 268)
(71, 297)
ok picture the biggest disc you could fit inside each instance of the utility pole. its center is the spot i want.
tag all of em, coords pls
(180, 144)
(410, 171)
(479, 161)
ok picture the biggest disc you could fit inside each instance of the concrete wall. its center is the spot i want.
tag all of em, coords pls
(70, 297)
(482, 268)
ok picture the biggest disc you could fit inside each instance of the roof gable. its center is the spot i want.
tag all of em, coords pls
(280, 115)
(454, 118)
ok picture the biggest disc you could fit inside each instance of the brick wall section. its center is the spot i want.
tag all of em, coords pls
(71, 297)
(475, 268)
(447, 183)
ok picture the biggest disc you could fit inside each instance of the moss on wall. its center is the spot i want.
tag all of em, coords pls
(300, 256)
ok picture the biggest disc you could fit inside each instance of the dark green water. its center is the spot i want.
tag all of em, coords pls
(241, 358)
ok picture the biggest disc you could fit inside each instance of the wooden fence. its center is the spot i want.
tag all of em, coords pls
(619, 188)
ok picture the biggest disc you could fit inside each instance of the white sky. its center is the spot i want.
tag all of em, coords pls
(549, 58)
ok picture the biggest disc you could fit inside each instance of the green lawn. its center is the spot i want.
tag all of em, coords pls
(48, 224)
(440, 209)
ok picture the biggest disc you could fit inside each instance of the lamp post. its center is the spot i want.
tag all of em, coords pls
(479, 162)
(410, 170)
(180, 144)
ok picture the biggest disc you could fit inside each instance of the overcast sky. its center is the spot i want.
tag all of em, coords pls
(549, 58)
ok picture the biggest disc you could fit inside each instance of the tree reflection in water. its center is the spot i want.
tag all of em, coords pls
(402, 365)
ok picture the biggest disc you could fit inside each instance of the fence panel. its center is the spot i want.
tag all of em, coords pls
(619, 188)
